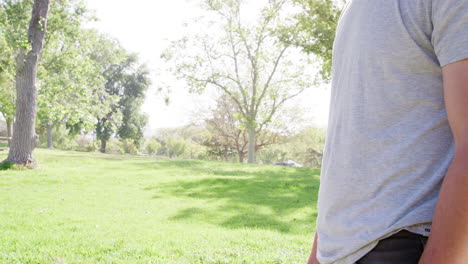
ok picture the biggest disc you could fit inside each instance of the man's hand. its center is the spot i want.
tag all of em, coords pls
(313, 255)
(448, 241)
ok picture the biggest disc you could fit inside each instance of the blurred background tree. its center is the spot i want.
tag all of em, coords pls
(246, 62)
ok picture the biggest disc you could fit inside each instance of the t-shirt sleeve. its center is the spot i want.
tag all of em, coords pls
(450, 30)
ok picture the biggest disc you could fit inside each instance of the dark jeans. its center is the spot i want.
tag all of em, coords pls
(403, 247)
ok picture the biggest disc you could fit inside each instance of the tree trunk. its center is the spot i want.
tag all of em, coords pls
(241, 156)
(9, 123)
(226, 156)
(251, 158)
(103, 146)
(50, 128)
(24, 138)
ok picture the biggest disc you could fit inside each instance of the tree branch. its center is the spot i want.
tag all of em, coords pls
(267, 84)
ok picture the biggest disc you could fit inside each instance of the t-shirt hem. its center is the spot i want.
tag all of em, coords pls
(353, 257)
(356, 255)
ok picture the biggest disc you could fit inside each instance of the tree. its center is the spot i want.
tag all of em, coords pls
(313, 30)
(69, 77)
(14, 19)
(70, 84)
(24, 137)
(152, 146)
(194, 150)
(61, 62)
(225, 126)
(128, 147)
(218, 148)
(126, 82)
(227, 133)
(7, 99)
(133, 121)
(246, 62)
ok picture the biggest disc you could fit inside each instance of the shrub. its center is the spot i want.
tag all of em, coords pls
(84, 143)
(152, 146)
(128, 147)
(6, 165)
(175, 147)
(194, 150)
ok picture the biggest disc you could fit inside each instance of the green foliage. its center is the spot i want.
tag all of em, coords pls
(63, 69)
(69, 83)
(69, 76)
(133, 121)
(61, 139)
(272, 154)
(127, 81)
(183, 142)
(64, 140)
(7, 97)
(73, 77)
(128, 147)
(114, 146)
(83, 76)
(6, 165)
(216, 149)
(152, 146)
(194, 150)
(14, 19)
(305, 148)
(313, 29)
(175, 147)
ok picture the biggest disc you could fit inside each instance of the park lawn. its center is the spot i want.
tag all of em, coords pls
(101, 208)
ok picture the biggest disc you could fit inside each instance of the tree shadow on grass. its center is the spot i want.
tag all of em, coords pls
(282, 199)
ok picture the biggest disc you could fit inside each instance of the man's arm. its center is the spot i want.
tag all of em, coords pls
(448, 241)
(313, 255)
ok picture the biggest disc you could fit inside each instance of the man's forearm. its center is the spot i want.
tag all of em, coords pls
(313, 254)
(448, 241)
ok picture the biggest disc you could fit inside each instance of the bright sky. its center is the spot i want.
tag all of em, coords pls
(147, 27)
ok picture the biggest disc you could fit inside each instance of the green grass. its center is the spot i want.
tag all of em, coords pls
(97, 208)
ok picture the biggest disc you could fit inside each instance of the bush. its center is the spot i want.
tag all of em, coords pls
(272, 154)
(128, 147)
(194, 150)
(113, 146)
(60, 139)
(152, 146)
(6, 165)
(175, 147)
(85, 144)
(305, 148)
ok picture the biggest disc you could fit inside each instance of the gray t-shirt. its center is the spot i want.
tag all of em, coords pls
(389, 143)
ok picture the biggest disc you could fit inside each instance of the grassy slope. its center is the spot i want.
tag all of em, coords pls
(97, 208)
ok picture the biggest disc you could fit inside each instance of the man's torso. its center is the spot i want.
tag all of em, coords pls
(388, 142)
